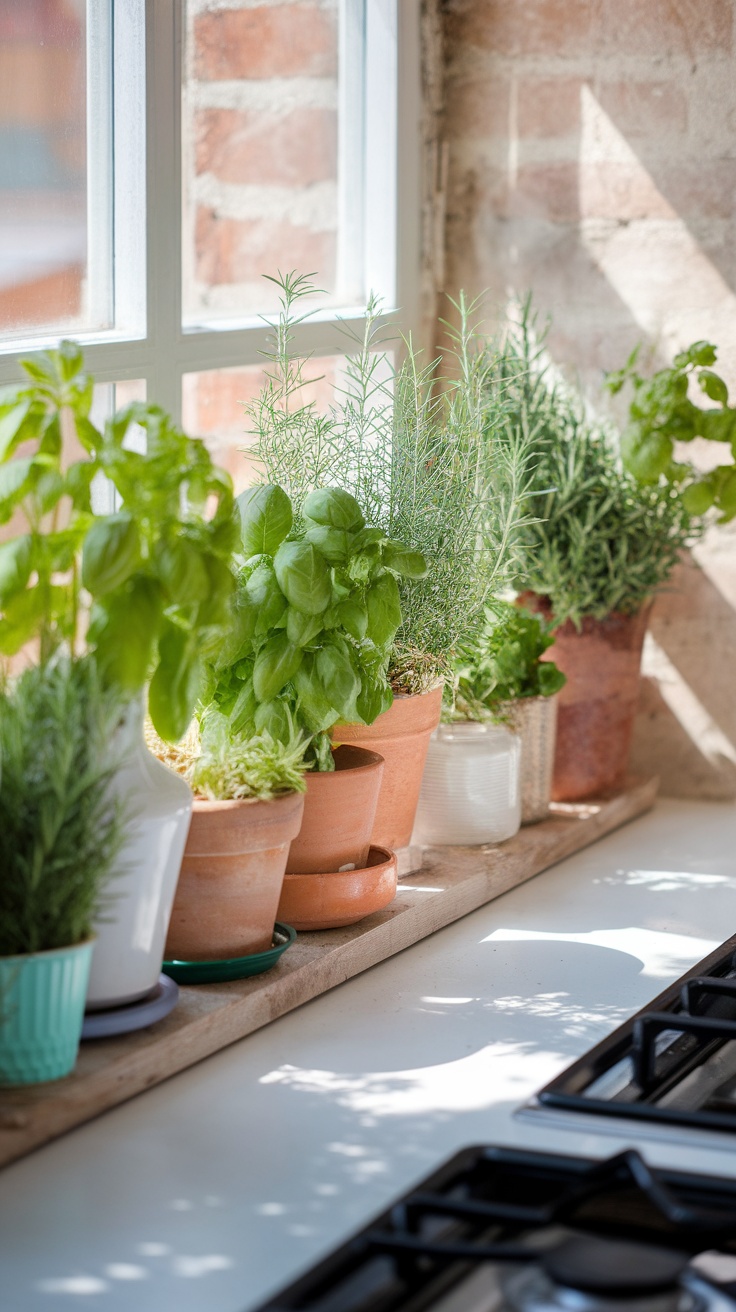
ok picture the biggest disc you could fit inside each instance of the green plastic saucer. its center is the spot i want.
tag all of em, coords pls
(217, 972)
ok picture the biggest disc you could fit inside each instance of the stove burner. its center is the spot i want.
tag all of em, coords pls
(498, 1228)
(615, 1268)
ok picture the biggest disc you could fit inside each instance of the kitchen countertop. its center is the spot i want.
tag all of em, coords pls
(209, 1192)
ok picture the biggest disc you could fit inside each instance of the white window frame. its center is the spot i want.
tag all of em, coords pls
(382, 204)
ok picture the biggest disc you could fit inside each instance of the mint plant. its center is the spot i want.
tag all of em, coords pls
(502, 662)
(147, 588)
(661, 413)
(316, 613)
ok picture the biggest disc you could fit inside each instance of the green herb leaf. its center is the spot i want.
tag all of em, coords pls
(111, 553)
(410, 564)
(276, 663)
(175, 685)
(16, 562)
(335, 507)
(303, 576)
(265, 518)
(384, 610)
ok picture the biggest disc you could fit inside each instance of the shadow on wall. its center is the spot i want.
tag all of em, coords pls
(591, 158)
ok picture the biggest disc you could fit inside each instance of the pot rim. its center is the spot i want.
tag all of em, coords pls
(388, 859)
(375, 761)
(240, 803)
(51, 952)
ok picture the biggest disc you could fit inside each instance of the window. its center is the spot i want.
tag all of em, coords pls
(157, 156)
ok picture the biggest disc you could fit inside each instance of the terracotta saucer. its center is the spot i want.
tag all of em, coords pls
(342, 897)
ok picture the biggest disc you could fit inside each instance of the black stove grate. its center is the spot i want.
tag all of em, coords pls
(647, 1069)
(494, 1205)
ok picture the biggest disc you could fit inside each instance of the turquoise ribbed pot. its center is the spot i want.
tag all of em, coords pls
(42, 998)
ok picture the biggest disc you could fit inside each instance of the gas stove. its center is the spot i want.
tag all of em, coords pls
(505, 1230)
(668, 1073)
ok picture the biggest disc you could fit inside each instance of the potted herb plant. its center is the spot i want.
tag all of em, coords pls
(248, 805)
(60, 840)
(412, 453)
(143, 590)
(316, 612)
(600, 547)
(502, 675)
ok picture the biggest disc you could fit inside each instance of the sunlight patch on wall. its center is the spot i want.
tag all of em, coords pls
(699, 725)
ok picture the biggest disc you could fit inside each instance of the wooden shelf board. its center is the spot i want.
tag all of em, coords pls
(452, 882)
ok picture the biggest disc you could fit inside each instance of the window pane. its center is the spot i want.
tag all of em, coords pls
(44, 239)
(260, 140)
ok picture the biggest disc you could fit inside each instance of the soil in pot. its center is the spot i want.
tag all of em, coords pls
(331, 899)
(401, 735)
(339, 813)
(231, 877)
(598, 704)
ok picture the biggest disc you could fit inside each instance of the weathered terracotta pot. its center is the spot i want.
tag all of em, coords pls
(401, 735)
(231, 877)
(339, 811)
(333, 899)
(534, 719)
(597, 705)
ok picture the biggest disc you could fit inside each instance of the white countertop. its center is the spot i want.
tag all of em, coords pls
(211, 1191)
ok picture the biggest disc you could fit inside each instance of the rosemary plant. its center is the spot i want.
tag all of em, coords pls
(431, 461)
(60, 831)
(598, 542)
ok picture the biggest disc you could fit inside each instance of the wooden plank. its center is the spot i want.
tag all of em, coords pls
(452, 882)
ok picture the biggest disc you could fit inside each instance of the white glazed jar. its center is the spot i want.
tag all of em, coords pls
(471, 787)
(131, 933)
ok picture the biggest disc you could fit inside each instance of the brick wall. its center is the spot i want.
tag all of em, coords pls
(592, 158)
(260, 150)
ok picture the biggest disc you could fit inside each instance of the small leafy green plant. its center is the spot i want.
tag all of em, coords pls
(60, 829)
(598, 541)
(316, 614)
(226, 769)
(661, 413)
(147, 587)
(502, 662)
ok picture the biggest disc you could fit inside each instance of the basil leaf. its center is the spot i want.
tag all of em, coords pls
(182, 571)
(265, 518)
(335, 544)
(276, 663)
(262, 591)
(175, 685)
(273, 717)
(110, 554)
(353, 615)
(338, 678)
(124, 629)
(713, 386)
(20, 620)
(384, 610)
(373, 700)
(302, 629)
(16, 562)
(303, 576)
(315, 707)
(410, 564)
(333, 506)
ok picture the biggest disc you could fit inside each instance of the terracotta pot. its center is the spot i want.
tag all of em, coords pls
(597, 705)
(401, 735)
(333, 899)
(231, 877)
(339, 810)
(534, 719)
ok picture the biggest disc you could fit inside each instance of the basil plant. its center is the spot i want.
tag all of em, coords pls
(147, 588)
(315, 618)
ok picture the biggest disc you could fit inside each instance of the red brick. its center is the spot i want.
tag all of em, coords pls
(548, 107)
(522, 27)
(242, 250)
(294, 150)
(283, 41)
(477, 107)
(640, 109)
(664, 27)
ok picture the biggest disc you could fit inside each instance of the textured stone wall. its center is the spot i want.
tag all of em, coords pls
(592, 158)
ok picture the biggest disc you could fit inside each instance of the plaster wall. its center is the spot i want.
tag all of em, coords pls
(591, 157)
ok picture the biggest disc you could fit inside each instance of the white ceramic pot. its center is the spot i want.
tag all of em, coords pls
(131, 934)
(470, 790)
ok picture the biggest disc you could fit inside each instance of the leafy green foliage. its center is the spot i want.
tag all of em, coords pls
(430, 461)
(149, 587)
(313, 625)
(661, 413)
(503, 662)
(60, 831)
(600, 542)
(227, 768)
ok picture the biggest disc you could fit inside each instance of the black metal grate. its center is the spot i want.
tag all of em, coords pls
(487, 1204)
